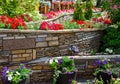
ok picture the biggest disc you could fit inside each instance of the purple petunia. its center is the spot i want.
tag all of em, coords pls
(105, 61)
(3, 74)
(59, 61)
(71, 58)
(69, 72)
(109, 73)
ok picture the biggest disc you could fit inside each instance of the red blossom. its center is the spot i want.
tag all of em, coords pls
(53, 26)
(107, 21)
(94, 19)
(44, 25)
(29, 19)
(80, 22)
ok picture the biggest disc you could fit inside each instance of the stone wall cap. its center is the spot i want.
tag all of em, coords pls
(91, 57)
(49, 31)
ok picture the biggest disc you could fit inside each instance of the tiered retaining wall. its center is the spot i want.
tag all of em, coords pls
(22, 46)
(18, 46)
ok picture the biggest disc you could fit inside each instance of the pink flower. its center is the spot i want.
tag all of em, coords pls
(115, 6)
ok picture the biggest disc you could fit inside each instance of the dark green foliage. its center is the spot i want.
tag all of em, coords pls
(78, 13)
(111, 39)
(88, 10)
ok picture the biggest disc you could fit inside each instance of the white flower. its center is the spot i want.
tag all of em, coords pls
(17, 73)
(10, 77)
(56, 60)
(110, 51)
(107, 49)
(50, 61)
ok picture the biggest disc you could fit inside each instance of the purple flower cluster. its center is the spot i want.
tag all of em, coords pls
(100, 62)
(3, 74)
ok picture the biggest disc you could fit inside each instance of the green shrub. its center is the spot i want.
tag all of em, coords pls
(78, 12)
(111, 38)
(14, 8)
(88, 10)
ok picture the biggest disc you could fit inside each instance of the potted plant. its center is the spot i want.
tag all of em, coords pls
(64, 70)
(17, 76)
(106, 70)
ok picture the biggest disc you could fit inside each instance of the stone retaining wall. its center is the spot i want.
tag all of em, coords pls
(23, 46)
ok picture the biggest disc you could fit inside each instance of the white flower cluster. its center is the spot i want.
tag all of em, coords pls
(108, 50)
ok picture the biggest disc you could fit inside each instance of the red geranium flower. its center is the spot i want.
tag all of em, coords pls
(80, 22)
(107, 21)
(44, 25)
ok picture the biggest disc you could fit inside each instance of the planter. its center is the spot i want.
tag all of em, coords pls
(66, 78)
(104, 76)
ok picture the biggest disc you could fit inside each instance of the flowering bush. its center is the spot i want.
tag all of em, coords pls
(15, 76)
(12, 23)
(62, 65)
(106, 65)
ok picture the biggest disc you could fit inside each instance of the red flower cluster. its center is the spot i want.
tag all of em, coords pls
(103, 20)
(53, 26)
(13, 23)
(79, 22)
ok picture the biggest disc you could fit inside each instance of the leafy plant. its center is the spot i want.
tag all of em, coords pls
(62, 65)
(15, 76)
(70, 25)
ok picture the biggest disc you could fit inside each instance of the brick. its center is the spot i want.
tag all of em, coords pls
(34, 54)
(19, 55)
(18, 51)
(55, 38)
(53, 43)
(0, 42)
(31, 36)
(8, 38)
(44, 35)
(3, 60)
(28, 58)
(41, 44)
(40, 39)
(25, 55)
(3, 35)
(48, 38)
(18, 44)
(5, 53)
(18, 59)
(14, 56)
(45, 67)
(51, 38)
(29, 51)
(19, 37)
(37, 67)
